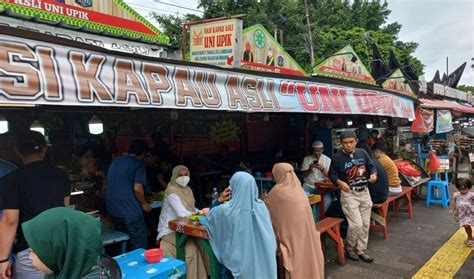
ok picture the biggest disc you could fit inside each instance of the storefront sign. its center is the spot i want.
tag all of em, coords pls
(224, 131)
(438, 89)
(397, 83)
(114, 16)
(444, 121)
(424, 121)
(345, 64)
(36, 72)
(217, 43)
(261, 52)
(88, 38)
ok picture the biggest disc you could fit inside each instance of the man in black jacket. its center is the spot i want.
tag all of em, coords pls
(352, 170)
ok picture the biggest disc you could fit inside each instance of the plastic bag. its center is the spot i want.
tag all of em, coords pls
(407, 169)
(433, 164)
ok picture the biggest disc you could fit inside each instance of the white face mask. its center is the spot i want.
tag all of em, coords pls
(183, 181)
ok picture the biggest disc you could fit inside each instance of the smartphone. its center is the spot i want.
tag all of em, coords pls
(315, 162)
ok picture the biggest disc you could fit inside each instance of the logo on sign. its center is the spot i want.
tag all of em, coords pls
(198, 38)
(84, 3)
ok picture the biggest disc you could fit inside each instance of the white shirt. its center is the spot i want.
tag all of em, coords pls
(315, 175)
(172, 209)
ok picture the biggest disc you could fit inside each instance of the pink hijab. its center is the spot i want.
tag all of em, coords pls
(293, 223)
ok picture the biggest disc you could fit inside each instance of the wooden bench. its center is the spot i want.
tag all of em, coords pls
(331, 226)
(383, 208)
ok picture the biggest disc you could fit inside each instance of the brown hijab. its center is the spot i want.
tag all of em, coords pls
(185, 194)
(293, 223)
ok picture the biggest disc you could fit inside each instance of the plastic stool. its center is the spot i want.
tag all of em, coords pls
(431, 197)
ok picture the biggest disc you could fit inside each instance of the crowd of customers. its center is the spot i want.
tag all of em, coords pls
(248, 236)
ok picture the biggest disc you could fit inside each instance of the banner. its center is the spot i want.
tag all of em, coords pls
(113, 17)
(217, 43)
(444, 121)
(261, 52)
(424, 121)
(40, 73)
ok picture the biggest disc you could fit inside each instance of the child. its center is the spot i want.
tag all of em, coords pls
(463, 207)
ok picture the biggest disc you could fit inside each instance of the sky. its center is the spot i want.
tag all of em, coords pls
(442, 28)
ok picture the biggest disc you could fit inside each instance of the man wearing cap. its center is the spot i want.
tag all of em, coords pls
(315, 167)
(352, 170)
(25, 193)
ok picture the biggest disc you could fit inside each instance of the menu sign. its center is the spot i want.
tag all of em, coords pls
(217, 43)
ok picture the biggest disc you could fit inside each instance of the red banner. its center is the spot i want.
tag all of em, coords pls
(424, 121)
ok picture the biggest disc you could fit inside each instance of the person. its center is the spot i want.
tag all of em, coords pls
(374, 137)
(152, 170)
(351, 169)
(379, 189)
(89, 173)
(463, 208)
(315, 167)
(248, 54)
(241, 233)
(125, 196)
(179, 202)
(27, 192)
(293, 222)
(5, 168)
(164, 174)
(161, 148)
(379, 151)
(226, 161)
(64, 243)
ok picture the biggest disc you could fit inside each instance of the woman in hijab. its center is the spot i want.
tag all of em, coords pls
(294, 226)
(241, 233)
(64, 243)
(179, 202)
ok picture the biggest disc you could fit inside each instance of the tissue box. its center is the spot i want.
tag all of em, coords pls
(134, 265)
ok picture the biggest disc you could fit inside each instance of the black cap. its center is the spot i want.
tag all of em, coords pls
(29, 142)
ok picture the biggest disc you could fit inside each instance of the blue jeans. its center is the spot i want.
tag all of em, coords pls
(327, 195)
(135, 228)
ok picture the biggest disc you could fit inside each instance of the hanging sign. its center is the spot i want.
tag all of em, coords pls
(45, 73)
(345, 64)
(444, 121)
(261, 52)
(217, 43)
(424, 121)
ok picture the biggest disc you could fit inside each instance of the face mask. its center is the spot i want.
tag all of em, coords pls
(183, 181)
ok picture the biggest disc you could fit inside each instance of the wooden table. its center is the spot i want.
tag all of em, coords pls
(322, 186)
(186, 229)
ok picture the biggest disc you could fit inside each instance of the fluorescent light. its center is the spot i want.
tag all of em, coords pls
(3, 124)
(384, 120)
(369, 125)
(96, 127)
(36, 126)
(349, 123)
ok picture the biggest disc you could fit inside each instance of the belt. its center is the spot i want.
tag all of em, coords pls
(359, 189)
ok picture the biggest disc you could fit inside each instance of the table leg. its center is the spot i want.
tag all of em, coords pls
(321, 208)
(315, 209)
(214, 265)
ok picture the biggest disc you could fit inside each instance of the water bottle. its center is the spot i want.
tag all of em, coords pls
(215, 195)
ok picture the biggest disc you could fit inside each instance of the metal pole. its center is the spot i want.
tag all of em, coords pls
(309, 31)
(447, 69)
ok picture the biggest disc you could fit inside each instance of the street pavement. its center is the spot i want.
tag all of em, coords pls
(410, 244)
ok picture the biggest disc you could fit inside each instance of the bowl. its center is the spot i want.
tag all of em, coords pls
(203, 221)
(154, 255)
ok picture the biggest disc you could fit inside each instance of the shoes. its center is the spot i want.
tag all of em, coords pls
(469, 243)
(366, 258)
(352, 255)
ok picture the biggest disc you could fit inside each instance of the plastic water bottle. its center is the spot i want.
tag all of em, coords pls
(215, 195)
